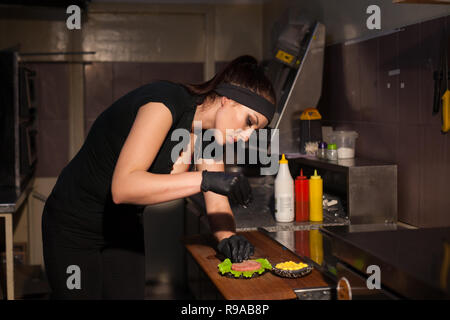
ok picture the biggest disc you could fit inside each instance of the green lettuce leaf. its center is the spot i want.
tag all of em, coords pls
(225, 267)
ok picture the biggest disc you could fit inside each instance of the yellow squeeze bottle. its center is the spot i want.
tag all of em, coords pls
(315, 198)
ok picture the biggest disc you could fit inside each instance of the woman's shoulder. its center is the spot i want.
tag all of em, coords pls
(165, 86)
(173, 95)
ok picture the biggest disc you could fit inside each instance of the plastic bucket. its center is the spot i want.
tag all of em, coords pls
(345, 142)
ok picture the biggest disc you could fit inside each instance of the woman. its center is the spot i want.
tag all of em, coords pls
(92, 235)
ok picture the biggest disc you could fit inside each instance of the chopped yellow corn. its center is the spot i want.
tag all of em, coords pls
(290, 265)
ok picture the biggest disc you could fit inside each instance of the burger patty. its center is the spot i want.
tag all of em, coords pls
(249, 265)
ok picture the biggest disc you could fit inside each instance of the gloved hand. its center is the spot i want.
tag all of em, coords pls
(233, 185)
(236, 248)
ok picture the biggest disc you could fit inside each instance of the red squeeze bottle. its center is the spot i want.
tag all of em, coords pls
(301, 198)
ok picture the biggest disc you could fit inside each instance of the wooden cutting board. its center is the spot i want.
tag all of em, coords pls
(265, 287)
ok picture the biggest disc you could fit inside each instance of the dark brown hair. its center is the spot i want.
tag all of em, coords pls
(243, 71)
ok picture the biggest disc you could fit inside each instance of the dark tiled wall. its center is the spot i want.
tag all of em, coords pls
(392, 114)
(105, 82)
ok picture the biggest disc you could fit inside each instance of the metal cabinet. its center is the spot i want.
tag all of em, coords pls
(367, 189)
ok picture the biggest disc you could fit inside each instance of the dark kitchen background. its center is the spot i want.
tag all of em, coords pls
(395, 123)
(130, 43)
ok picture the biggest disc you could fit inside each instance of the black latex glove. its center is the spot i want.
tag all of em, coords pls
(233, 185)
(236, 248)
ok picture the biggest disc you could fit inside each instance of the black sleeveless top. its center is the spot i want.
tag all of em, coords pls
(83, 189)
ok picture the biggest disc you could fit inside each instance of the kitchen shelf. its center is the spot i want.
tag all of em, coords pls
(366, 189)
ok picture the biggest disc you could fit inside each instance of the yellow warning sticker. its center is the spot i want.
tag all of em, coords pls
(284, 56)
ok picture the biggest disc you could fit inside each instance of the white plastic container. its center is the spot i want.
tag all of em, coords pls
(345, 141)
(284, 193)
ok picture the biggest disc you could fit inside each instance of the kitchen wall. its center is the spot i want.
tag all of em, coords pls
(393, 113)
(134, 44)
(345, 19)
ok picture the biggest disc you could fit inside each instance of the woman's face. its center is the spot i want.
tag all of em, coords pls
(236, 122)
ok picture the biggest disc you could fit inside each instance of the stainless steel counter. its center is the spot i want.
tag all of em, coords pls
(413, 264)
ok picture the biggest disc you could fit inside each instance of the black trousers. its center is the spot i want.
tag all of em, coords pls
(96, 260)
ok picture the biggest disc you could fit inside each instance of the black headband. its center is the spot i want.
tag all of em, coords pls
(248, 98)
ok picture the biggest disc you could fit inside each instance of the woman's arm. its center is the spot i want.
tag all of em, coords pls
(131, 183)
(220, 216)
(221, 221)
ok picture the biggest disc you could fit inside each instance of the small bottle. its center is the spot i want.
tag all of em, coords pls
(332, 152)
(315, 198)
(284, 193)
(322, 151)
(301, 198)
